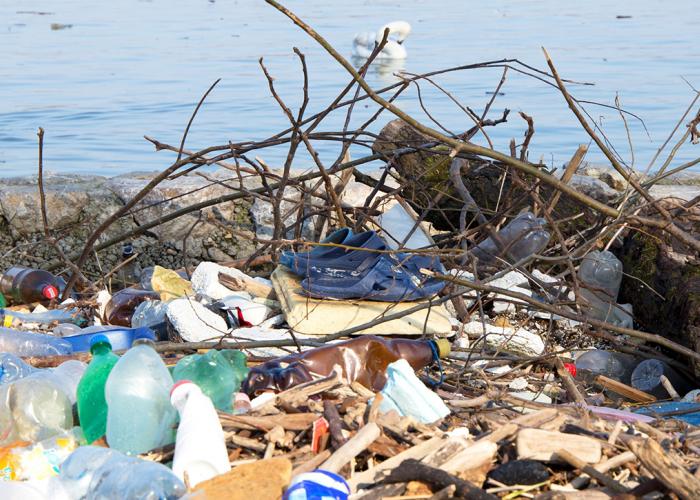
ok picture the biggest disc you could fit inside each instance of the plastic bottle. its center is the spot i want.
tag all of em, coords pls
(104, 473)
(139, 416)
(520, 238)
(25, 285)
(200, 448)
(32, 344)
(130, 271)
(15, 318)
(600, 275)
(122, 305)
(92, 405)
(647, 377)
(39, 461)
(611, 364)
(13, 368)
(3, 302)
(149, 313)
(218, 373)
(363, 359)
(33, 409)
(65, 377)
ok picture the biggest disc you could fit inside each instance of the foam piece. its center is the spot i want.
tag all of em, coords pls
(205, 280)
(194, 322)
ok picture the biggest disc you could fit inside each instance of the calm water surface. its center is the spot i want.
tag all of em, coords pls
(129, 68)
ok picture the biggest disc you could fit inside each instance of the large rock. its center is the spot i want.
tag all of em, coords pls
(654, 259)
(76, 205)
(425, 176)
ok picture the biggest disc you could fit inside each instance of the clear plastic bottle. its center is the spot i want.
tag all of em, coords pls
(149, 313)
(139, 416)
(33, 409)
(200, 448)
(218, 373)
(600, 275)
(65, 376)
(25, 285)
(130, 272)
(13, 368)
(523, 236)
(104, 473)
(14, 318)
(614, 365)
(92, 405)
(32, 344)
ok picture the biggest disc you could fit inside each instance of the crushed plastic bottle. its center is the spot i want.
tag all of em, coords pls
(33, 409)
(26, 285)
(16, 318)
(104, 473)
(218, 373)
(65, 377)
(614, 365)
(600, 275)
(149, 313)
(523, 236)
(13, 368)
(200, 447)
(139, 416)
(32, 344)
(363, 359)
(92, 405)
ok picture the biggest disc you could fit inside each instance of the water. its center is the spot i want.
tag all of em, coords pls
(129, 68)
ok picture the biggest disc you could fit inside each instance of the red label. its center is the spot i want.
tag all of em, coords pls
(571, 368)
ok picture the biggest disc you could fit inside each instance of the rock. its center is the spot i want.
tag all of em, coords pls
(425, 175)
(653, 258)
(520, 472)
(76, 204)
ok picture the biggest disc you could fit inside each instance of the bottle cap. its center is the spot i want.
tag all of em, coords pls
(443, 346)
(178, 384)
(99, 339)
(50, 292)
(571, 368)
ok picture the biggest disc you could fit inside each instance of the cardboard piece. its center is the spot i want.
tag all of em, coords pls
(324, 316)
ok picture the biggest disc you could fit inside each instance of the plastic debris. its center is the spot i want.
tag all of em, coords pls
(406, 394)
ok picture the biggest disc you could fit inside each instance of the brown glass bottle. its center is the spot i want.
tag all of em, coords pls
(25, 285)
(362, 359)
(122, 305)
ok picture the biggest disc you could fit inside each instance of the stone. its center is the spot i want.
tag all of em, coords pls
(76, 204)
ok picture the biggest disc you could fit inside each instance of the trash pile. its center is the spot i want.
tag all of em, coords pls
(223, 385)
(385, 339)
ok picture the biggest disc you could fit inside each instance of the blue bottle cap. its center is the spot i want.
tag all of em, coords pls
(99, 338)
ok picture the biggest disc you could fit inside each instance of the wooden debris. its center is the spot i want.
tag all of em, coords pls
(536, 444)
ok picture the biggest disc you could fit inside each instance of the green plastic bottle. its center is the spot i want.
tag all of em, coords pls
(92, 406)
(218, 373)
(3, 302)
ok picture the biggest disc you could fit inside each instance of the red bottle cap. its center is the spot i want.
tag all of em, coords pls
(571, 368)
(178, 384)
(50, 292)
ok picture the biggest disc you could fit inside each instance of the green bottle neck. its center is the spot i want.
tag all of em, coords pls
(100, 349)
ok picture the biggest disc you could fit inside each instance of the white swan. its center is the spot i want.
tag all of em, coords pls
(364, 43)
